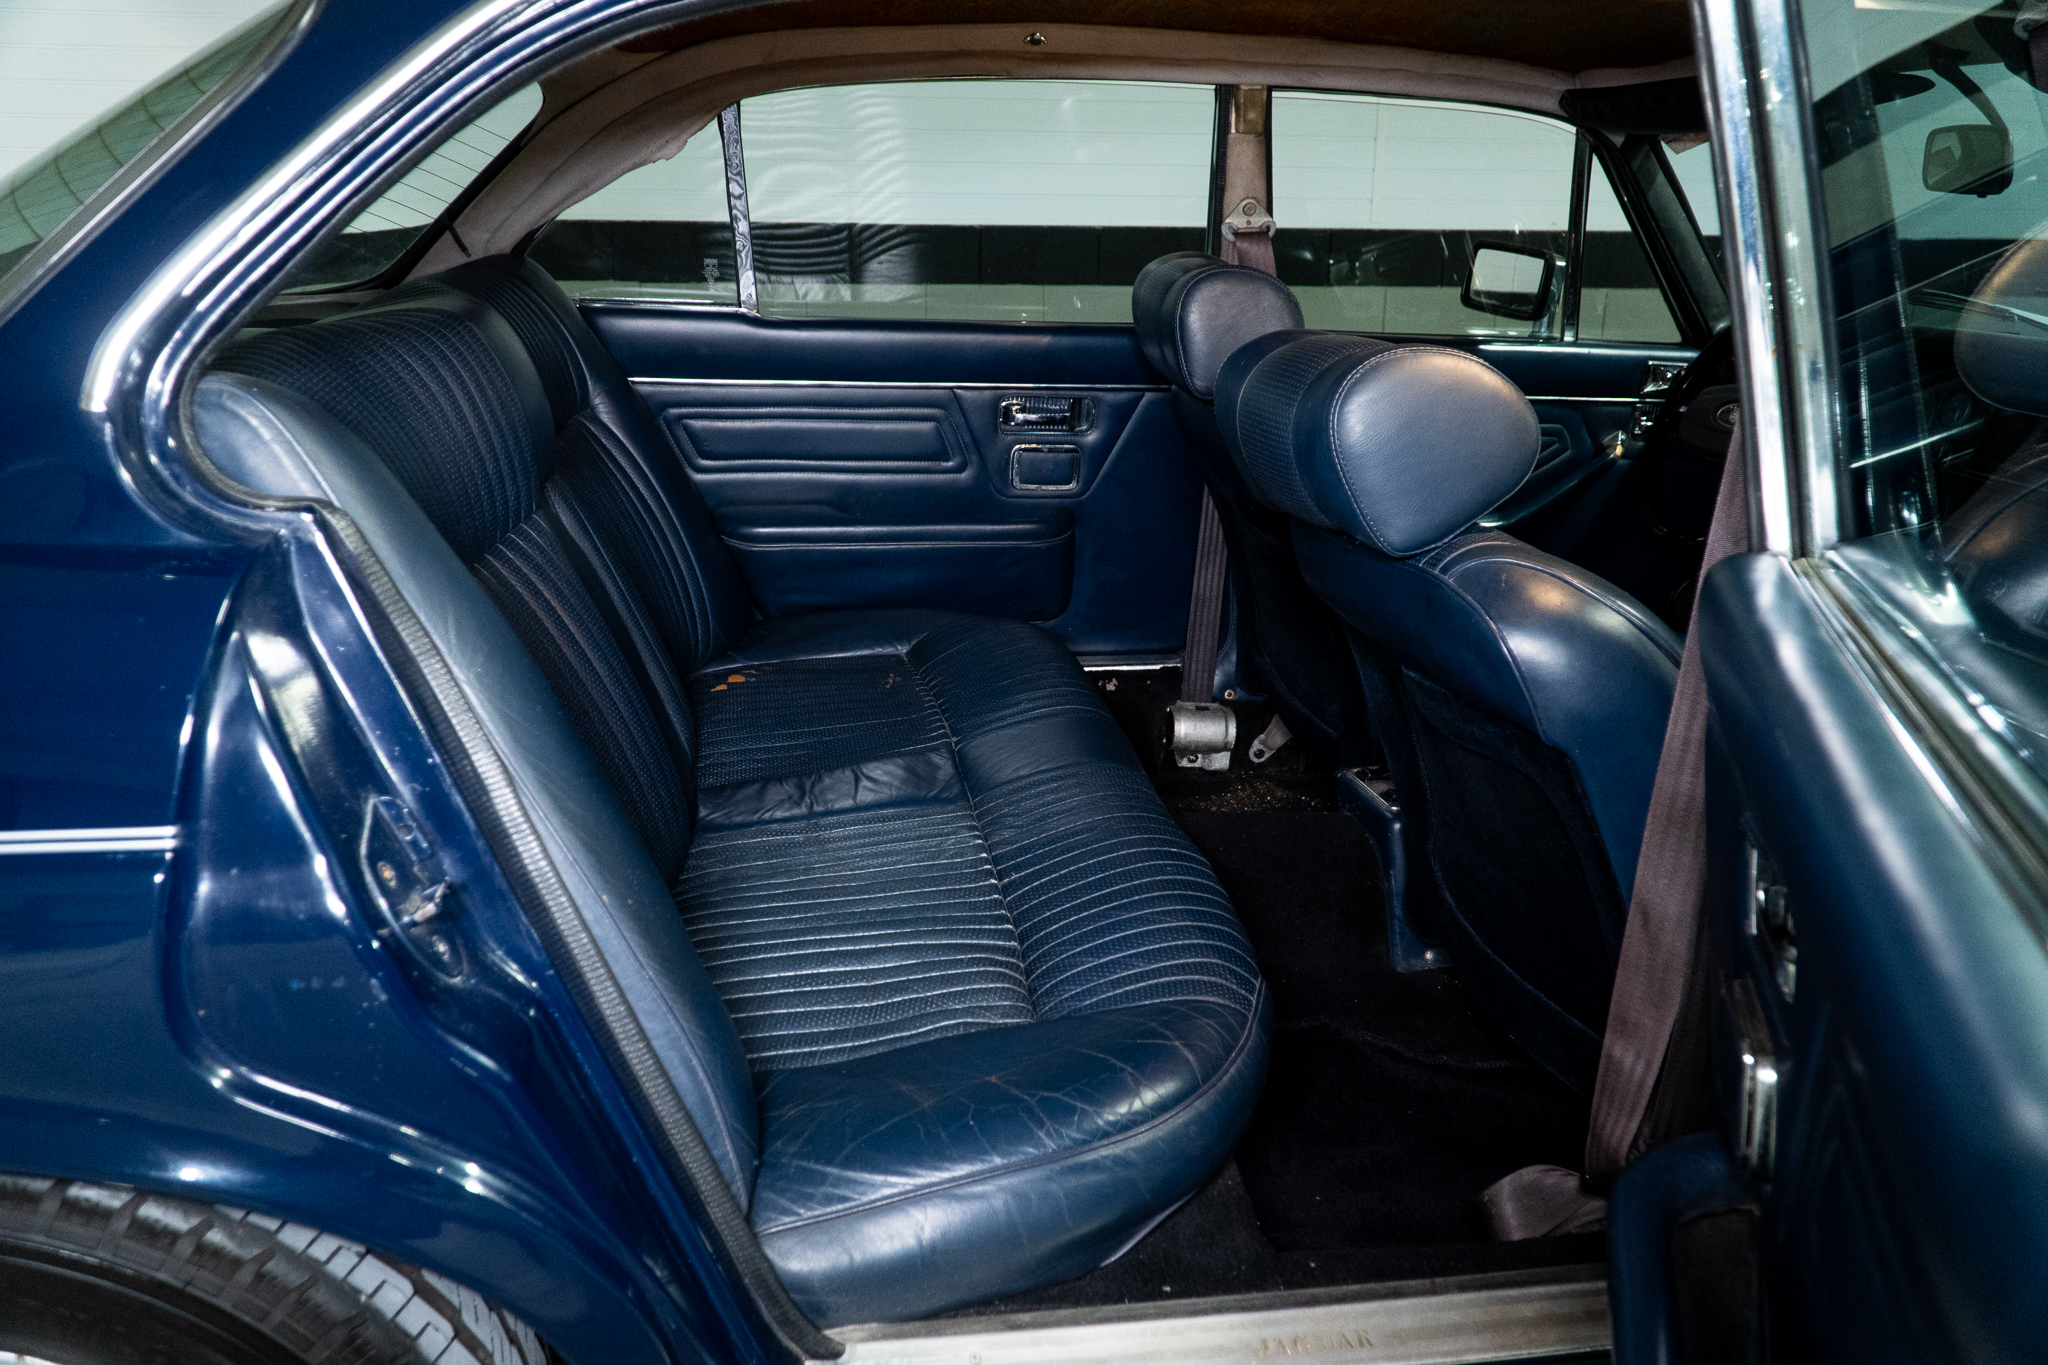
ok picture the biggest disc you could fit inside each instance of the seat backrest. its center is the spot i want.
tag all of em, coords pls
(1192, 311)
(1522, 700)
(563, 567)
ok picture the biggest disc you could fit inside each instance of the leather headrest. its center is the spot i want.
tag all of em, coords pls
(1397, 446)
(2002, 340)
(1193, 310)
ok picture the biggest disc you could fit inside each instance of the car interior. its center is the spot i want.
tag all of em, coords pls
(794, 429)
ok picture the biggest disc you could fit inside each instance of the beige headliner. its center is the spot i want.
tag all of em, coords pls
(615, 111)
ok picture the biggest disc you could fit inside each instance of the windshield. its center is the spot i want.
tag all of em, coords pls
(37, 198)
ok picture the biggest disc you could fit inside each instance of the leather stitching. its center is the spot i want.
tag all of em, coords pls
(1337, 458)
(1225, 1072)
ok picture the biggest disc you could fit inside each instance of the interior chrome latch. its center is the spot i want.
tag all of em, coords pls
(1770, 923)
(1756, 1080)
(411, 889)
(1203, 735)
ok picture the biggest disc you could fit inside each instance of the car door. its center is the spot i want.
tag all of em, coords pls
(1381, 203)
(1875, 979)
(917, 384)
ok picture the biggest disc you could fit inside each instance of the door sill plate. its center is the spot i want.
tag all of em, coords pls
(1419, 1323)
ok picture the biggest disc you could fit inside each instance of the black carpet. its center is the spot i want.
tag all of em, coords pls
(1391, 1102)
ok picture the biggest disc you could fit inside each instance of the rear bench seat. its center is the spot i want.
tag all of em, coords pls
(959, 1009)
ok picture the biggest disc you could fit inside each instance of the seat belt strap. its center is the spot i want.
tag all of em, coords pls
(1671, 876)
(1657, 944)
(1205, 608)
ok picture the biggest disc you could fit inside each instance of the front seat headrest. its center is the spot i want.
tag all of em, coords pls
(1396, 446)
(1192, 310)
(2002, 338)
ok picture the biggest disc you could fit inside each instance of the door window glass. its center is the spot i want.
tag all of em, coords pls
(1380, 203)
(1932, 147)
(1902, 97)
(995, 201)
(1619, 297)
(1692, 166)
(381, 233)
(661, 232)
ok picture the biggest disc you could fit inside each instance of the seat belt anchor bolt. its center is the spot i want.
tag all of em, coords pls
(1204, 733)
(1249, 216)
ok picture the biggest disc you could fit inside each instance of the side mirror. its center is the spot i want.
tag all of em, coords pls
(1967, 158)
(1510, 281)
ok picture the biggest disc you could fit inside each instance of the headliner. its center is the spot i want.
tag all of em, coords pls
(1563, 35)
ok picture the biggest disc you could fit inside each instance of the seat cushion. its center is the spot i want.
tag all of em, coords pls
(999, 1011)
(909, 848)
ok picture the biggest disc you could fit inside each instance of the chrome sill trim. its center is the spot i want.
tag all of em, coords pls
(1629, 401)
(122, 839)
(1425, 1323)
(677, 380)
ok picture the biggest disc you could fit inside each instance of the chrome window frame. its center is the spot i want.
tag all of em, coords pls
(1755, 84)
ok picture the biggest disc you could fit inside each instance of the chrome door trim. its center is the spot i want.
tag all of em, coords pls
(736, 206)
(679, 380)
(1756, 96)
(1398, 1324)
(120, 839)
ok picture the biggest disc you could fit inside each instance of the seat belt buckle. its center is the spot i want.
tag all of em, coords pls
(1204, 733)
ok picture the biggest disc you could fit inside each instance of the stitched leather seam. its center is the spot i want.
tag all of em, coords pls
(1618, 608)
(1215, 1082)
(1372, 527)
(1499, 638)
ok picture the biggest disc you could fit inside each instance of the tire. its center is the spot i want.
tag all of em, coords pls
(106, 1275)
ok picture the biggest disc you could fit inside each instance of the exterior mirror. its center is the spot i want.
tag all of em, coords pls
(1967, 158)
(1511, 281)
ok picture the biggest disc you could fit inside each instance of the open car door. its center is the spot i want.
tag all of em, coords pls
(1872, 969)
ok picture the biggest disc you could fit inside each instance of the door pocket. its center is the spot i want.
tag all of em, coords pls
(1022, 570)
(737, 439)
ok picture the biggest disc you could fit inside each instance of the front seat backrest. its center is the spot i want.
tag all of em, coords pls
(1192, 312)
(1522, 700)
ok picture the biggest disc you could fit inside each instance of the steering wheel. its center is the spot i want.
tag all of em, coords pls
(1695, 425)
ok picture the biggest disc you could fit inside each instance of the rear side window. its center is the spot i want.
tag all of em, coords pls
(985, 201)
(661, 232)
(378, 236)
(992, 201)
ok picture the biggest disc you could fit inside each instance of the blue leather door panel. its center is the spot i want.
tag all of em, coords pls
(1902, 990)
(800, 559)
(766, 436)
(852, 463)
(651, 339)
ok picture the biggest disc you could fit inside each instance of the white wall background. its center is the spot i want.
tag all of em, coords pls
(65, 62)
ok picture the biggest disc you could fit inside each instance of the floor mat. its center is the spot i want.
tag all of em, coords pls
(1391, 1102)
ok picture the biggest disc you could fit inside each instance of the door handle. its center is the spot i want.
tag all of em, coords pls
(1046, 414)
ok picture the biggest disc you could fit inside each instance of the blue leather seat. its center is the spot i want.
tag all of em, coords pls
(956, 1006)
(1521, 699)
(1192, 311)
